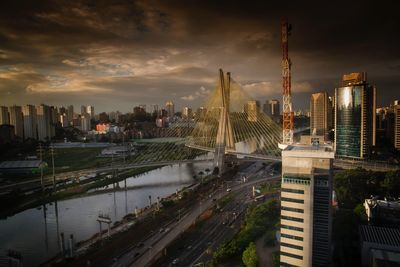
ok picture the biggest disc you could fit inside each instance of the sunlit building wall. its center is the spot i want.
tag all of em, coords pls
(186, 112)
(170, 107)
(30, 121)
(43, 119)
(90, 111)
(252, 110)
(306, 215)
(319, 114)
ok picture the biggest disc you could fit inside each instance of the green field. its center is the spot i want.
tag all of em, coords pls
(71, 159)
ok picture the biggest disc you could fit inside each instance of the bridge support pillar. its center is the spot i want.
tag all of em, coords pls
(225, 133)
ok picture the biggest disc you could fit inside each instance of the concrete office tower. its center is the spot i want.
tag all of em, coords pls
(4, 119)
(17, 119)
(271, 108)
(83, 110)
(321, 113)
(170, 107)
(355, 120)
(187, 113)
(252, 110)
(44, 126)
(30, 121)
(397, 127)
(70, 114)
(90, 111)
(85, 123)
(64, 120)
(306, 196)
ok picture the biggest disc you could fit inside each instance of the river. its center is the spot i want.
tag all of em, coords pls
(35, 232)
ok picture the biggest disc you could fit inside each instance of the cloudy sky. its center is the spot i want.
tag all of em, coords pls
(118, 54)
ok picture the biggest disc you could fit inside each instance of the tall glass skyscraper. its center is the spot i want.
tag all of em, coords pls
(355, 123)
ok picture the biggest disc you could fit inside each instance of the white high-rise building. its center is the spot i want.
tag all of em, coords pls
(85, 123)
(64, 120)
(17, 120)
(306, 196)
(170, 107)
(252, 110)
(30, 121)
(187, 113)
(43, 118)
(320, 111)
(90, 111)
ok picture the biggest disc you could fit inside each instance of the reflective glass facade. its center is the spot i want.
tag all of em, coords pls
(348, 121)
(354, 120)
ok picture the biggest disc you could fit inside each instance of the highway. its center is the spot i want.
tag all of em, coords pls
(142, 254)
(220, 227)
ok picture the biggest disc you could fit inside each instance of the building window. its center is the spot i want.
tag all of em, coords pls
(296, 180)
(291, 255)
(292, 209)
(292, 200)
(299, 238)
(289, 190)
(294, 228)
(284, 264)
(291, 246)
(292, 218)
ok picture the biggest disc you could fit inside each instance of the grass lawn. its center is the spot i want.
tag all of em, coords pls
(71, 159)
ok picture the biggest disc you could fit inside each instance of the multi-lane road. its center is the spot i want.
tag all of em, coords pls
(144, 253)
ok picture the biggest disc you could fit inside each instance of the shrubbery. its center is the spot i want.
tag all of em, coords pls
(260, 220)
(353, 186)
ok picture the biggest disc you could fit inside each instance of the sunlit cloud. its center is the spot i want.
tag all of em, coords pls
(201, 93)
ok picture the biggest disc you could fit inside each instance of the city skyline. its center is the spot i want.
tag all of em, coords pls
(123, 55)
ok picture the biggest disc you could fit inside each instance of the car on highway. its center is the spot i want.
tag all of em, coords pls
(175, 262)
(228, 190)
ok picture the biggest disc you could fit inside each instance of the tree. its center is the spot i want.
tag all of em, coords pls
(250, 258)
(392, 183)
(215, 171)
(359, 210)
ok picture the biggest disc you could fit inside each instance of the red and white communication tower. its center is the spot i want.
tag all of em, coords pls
(286, 83)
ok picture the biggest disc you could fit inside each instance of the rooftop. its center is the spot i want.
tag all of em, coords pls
(311, 151)
(20, 164)
(380, 235)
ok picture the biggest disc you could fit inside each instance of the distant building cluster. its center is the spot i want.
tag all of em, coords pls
(351, 120)
(39, 122)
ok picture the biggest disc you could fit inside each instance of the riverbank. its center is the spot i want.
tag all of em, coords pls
(66, 191)
(132, 231)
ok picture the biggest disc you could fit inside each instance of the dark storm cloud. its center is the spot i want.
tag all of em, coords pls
(130, 52)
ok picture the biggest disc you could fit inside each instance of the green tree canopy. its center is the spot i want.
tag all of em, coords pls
(250, 258)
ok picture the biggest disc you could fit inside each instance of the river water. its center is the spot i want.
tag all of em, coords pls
(35, 232)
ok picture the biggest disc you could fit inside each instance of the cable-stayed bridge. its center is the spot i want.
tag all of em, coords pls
(229, 124)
